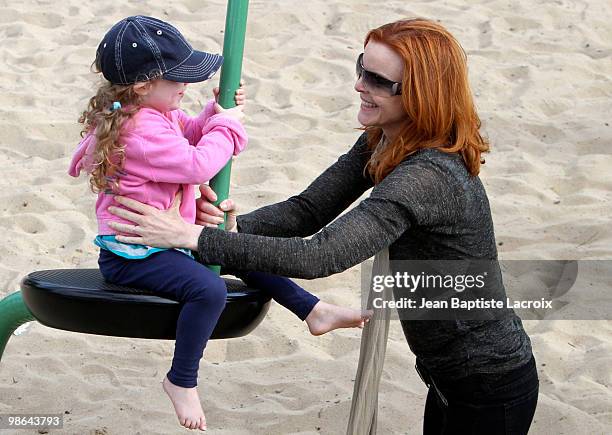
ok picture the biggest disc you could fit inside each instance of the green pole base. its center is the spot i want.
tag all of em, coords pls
(13, 313)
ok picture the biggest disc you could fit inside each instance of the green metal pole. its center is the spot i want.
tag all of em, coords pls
(231, 71)
(13, 313)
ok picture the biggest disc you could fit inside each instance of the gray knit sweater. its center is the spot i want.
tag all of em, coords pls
(428, 207)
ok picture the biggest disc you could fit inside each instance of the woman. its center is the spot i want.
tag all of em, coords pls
(421, 153)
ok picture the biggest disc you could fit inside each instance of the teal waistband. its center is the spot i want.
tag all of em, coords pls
(130, 251)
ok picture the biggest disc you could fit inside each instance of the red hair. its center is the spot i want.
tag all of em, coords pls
(435, 94)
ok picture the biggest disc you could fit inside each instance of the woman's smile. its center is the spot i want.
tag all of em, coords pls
(366, 105)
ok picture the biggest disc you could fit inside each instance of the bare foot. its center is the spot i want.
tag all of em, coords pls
(186, 404)
(326, 317)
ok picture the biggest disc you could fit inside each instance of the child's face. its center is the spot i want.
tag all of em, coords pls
(164, 95)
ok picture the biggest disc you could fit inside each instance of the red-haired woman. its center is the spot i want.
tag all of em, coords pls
(421, 153)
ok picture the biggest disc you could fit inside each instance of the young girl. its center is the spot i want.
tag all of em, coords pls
(138, 143)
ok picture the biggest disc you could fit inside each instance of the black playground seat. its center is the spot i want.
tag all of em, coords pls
(80, 300)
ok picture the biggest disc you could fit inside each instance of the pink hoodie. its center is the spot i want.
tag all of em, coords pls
(165, 152)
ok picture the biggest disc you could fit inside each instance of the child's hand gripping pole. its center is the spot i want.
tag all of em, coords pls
(233, 50)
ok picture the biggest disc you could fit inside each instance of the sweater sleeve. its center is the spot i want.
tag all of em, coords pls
(192, 125)
(322, 201)
(169, 158)
(410, 194)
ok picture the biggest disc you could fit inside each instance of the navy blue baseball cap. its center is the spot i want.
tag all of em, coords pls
(138, 48)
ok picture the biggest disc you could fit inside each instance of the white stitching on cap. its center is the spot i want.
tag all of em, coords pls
(118, 60)
(159, 24)
(153, 46)
(197, 69)
(168, 28)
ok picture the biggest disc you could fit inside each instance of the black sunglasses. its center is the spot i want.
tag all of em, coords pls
(375, 83)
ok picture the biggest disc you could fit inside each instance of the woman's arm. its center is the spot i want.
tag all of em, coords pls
(375, 223)
(326, 197)
(414, 193)
(410, 194)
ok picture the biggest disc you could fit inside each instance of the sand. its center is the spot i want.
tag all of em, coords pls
(540, 72)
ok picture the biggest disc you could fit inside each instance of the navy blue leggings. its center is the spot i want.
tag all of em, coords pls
(202, 295)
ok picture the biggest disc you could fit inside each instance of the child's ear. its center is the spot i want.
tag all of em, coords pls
(142, 88)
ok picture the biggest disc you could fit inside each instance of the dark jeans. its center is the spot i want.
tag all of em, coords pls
(488, 404)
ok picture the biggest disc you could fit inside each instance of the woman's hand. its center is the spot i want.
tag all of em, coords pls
(153, 227)
(208, 215)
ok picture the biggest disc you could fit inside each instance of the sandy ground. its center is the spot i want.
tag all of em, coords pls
(540, 72)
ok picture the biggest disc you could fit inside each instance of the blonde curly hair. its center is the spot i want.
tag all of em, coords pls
(100, 117)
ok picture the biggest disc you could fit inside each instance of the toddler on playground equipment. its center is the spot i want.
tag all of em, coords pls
(139, 144)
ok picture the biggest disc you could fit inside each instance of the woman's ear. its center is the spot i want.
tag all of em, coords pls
(142, 88)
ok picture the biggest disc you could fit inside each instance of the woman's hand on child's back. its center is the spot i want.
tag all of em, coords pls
(153, 227)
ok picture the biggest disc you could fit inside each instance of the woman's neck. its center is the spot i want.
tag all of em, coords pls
(390, 134)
